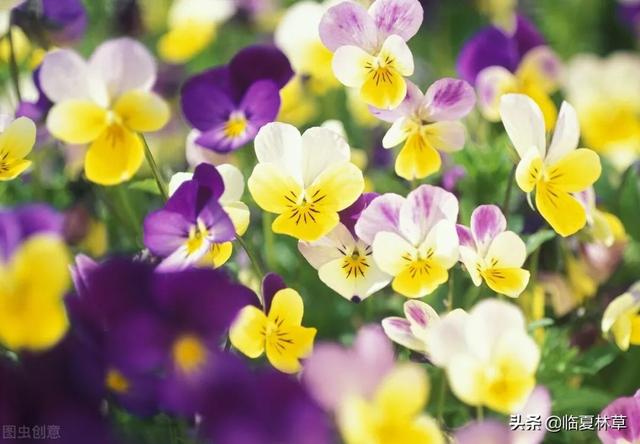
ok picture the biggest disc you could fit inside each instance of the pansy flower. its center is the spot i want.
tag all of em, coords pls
(602, 227)
(488, 356)
(33, 278)
(493, 254)
(370, 49)
(628, 408)
(276, 330)
(427, 124)
(17, 138)
(237, 210)
(497, 62)
(621, 319)
(192, 227)
(305, 179)
(344, 262)
(104, 102)
(556, 172)
(230, 103)
(411, 331)
(192, 27)
(414, 238)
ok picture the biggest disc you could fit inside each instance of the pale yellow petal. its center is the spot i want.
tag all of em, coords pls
(142, 111)
(77, 121)
(247, 331)
(561, 210)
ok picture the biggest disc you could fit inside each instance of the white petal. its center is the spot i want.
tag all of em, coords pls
(446, 136)
(566, 135)
(466, 378)
(178, 179)
(334, 276)
(329, 247)
(523, 120)
(209, 11)
(349, 65)
(396, 134)
(396, 48)
(65, 75)
(297, 32)
(280, 144)
(443, 239)
(321, 148)
(423, 208)
(469, 258)
(233, 183)
(508, 249)
(388, 249)
(447, 337)
(399, 331)
(421, 317)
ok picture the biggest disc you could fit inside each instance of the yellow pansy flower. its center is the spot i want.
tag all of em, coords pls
(621, 319)
(104, 103)
(16, 141)
(279, 332)
(554, 173)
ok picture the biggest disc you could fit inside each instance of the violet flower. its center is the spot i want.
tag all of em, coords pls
(621, 430)
(229, 104)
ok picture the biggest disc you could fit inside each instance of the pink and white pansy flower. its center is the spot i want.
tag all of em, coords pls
(493, 254)
(412, 330)
(414, 238)
(427, 124)
(369, 47)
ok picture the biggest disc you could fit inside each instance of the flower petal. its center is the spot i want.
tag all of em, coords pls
(142, 111)
(403, 393)
(446, 136)
(489, 47)
(205, 99)
(287, 360)
(261, 104)
(409, 105)
(388, 250)
(353, 285)
(382, 214)
(287, 307)
(561, 210)
(524, 123)
(397, 133)
(269, 187)
(399, 17)
(18, 138)
(348, 24)
(259, 62)
(114, 157)
(246, 331)
(576, 171)
(507, 250)
(340, 184)
(541, 67)
(487, 221)
(349, 65)
(77, 121)
(449, 99)
(322, 148)
(447, 338)
(423, 208)
(417, 159)
(420, 315)
(566, 135)
(399, 331)
(492, 83)
(280, 144)
(529, 170)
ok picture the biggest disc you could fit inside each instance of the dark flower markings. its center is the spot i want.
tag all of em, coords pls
(491, 273)
(418, 265)
(356, 263)
(449, 95)
(280, 338)
(381, 73)
(305, 209)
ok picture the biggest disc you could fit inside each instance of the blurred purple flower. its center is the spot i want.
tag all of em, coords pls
(64, 21)
(452, 176)
(627, 407)
(230, 103)
(19, 223)
(192, 221)
(629, 15)
(492, 46)
(38, 110)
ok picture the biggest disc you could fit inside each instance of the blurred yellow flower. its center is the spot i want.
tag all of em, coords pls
(621, 320)
(16, 142)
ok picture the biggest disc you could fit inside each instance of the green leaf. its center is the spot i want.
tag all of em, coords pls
(576, 401)
(146, 185)
(629, 201)
(537, 239)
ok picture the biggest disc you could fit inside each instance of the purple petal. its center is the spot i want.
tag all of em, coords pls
(419, 313)
(487, 221)
(526, 36)
(350, 215)
(67, 18)
(208, 176)
(80, 272)
(215, 139)
(449, 99)
(382, 214)
(206, 99)
(37, 218)
(165, 231)
(261, 103)
(259, 62)
(629, 407)
(348, 23)
(539, 405)
(465, 237)
(271, 284)
(489, 47)
(218, 223)
(400, 17)
(489, 431)
(452, 176)
(423, 208)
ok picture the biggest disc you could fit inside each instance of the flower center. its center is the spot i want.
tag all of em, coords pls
(356, 264)
(189, 353)
(277, 336)
(304, 211)
(236, 126)
(197, 236)
(116, 382)
(418, 264)
(381, 69)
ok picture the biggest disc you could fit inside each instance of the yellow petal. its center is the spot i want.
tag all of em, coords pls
(77, 121)
(183, 42)
(305, 225)
(114, 157)
(17, 140)
(622, 332)
(508, 386)
(337, 187)
(528, 170)
(37, 326)
(142, 111)
(508, 281)
(548, 108)
(635, 330)
(356, 421)
(247, 331)
(272, 189)
(561, 210)
(576, 171)
(384, 88)
(420, 278)
(217, 255)
(403, 393)
(287, 345)
(240, 216)
(287, 307)
(417, 159)
(9, 170)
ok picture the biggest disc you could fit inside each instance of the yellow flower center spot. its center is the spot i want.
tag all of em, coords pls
(507, 385)
(197, 236)
(189, 353)
(419, 265)
(116, 382)
(236, 126)
(276, 336)
(355, 264)
(303, 210)
(381, 70)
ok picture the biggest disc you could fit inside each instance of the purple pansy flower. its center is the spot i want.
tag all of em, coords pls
(492, 46)
(192, 224)
(19, 223)
(629, 408)
(65, 21)
(229, 104)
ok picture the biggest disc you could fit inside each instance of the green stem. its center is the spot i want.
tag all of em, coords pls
(162, 186)
(129, 213)
(507, 194)
(450, 293)
(267, 234)
(13, 65)
(479, 413)
(533, 266)
(441, 398)
(252, 257)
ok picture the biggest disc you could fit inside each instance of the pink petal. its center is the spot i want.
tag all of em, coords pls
(424, 207)
(538, 404)
(465, 237)
(400, 17)
(409, 105)
(449, 99)
(348, 23)
(65, 75)
(382, 214)
(489, 431)
(399, 331)
(420, 314)
(487, 221)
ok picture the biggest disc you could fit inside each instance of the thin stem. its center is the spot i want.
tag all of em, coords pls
(252, 257)
(479, 413)
(162, 186)
(129, 213)
(441, 398)
(533, 266)
(267, 234)
(450, 293)
(507, 194)
(13, 65)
